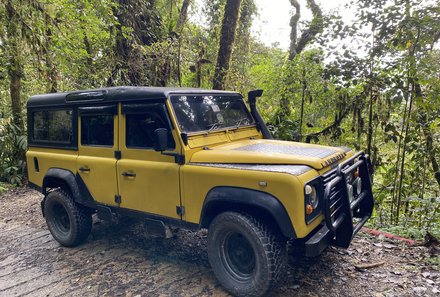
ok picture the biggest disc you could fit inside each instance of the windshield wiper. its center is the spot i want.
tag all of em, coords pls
(238, 123)
(213, 126)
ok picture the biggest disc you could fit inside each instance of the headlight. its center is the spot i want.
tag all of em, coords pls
(313, 191)
(311, 196)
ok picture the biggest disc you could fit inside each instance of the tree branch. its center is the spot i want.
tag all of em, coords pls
(294, 28)
(315, 27)
(327, 130)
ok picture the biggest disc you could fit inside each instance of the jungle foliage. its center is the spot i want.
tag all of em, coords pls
(372, 84)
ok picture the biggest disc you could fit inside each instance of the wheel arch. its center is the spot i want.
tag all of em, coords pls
(66, 180)
(261, 204)
(61, 178)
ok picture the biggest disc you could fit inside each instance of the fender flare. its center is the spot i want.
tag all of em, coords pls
(235, 196)
(62, 177)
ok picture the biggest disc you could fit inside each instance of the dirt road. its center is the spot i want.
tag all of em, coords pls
(121, 260)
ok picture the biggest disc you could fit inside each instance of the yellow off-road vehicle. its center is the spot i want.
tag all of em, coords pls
(193, 159)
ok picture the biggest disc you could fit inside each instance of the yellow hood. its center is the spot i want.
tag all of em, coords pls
(261, 151)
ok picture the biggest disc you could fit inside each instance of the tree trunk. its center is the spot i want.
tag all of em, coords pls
(52, 84)
(301, 118)
(432, 156)
(402, 164)
(183, 15)
(180, 26)
(15, 68)
(371, 83)
(227, 37)
(360, 127)
(413, 93)
(199, 67)
(370, 120)
(396, 172)
(129, 66)
(430, 149)
(15, 89)
(121, 50)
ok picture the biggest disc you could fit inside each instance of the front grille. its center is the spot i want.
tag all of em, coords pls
(336, 192)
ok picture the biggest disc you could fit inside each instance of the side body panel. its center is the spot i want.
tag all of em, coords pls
(197, 181)
(40, 160)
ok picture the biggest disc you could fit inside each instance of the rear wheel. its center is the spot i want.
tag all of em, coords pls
(246, 256)
(69, 222)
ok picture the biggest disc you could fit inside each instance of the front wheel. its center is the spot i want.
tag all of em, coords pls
(69, 222)
(246, 256)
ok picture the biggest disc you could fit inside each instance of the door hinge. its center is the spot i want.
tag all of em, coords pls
(118, 155)
(180, 210)
(118, 199)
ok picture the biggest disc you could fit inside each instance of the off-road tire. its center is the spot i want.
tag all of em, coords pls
(69, 222)
(263, 256)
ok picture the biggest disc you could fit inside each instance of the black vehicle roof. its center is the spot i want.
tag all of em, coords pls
(114, 94)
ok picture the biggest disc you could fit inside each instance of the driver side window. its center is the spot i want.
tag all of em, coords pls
(142, 121)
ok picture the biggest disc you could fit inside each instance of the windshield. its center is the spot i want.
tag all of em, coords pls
(210, 112)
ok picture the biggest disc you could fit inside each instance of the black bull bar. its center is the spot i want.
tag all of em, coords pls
(345, 210)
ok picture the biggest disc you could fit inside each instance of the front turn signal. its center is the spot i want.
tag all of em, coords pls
(309, 209)
(356, 173)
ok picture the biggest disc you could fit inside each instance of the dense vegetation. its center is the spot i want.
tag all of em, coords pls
(373, 84)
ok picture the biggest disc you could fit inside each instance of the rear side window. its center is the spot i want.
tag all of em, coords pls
(53, 126)
(97, 130)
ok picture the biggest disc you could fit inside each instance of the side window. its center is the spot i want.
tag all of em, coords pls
(52, 126)
(142, 121)
(97, 130)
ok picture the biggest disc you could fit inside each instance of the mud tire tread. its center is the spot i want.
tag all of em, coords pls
(273, 253)
(79, 216)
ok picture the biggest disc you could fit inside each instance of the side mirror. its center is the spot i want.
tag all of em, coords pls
(160, 139)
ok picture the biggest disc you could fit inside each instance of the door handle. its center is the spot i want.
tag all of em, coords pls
(84, 169)
(128, 174)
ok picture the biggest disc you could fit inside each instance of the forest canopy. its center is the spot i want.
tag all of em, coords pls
(372, 84)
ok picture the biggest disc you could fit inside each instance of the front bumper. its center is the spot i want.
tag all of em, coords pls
(344, 214)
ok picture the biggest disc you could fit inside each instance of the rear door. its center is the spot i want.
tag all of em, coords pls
(98, 141)
(148, 180)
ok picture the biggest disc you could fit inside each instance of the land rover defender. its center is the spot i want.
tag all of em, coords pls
(194, 159)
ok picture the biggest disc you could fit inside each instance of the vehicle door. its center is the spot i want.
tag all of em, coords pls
(98, 141)
(148, 180)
